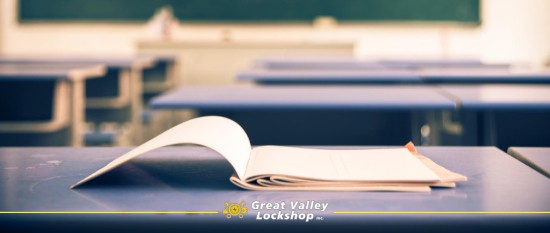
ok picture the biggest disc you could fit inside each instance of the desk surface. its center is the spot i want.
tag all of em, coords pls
(373, 76)
(354, 63)
(323, 76)
(196, 178)
(500, 97)
(304, 97)
(109, 61)
(439, 63)
(297, 63)
(488, 75)
(50, 71)
(536, 157)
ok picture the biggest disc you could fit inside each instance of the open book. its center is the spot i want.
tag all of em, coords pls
(292, 168)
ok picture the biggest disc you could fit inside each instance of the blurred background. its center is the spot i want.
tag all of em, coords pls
(119, 72)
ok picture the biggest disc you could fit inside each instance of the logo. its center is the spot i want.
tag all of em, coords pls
(235, 209)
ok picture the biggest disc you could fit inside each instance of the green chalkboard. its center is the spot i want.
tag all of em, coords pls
(454, 11)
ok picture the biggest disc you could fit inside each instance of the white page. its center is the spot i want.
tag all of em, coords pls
(218, 133)
(351, 165)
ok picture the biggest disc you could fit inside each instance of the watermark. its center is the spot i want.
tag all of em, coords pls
(279, 211)
(234, 209)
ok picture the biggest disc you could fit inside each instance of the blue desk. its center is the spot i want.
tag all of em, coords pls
(161, 77)
(325, 76)
(460, 75)
(40, 99)
(350, 63)
(489, 75)
(304, 97)
(313, 63)
(312, 115)
(537, 158)
(500, 97)
(503, 115)
(109, 61)
(156, 80)
(438, 63)
(196, 179)
(114, 98)
(66, 72)
(440, 76)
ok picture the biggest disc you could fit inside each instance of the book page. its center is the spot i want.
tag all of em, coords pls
(335, 187)
(218, 133)
(377, 165)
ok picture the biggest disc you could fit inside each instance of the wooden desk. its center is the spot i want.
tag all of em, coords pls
(111, 97)
(162, 76)
(67, 104)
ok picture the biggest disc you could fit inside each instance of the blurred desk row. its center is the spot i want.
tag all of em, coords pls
(374, 115)
(474, 109)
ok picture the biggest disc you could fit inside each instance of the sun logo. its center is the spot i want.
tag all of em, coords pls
(234, 209)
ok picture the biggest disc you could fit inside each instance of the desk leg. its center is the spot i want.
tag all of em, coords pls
(418, 122)
(136, 90)
(425, 130)
(171, 76)
(489, 129)
(470, 128)
(77, 112)
(415, 127)
(431, 130)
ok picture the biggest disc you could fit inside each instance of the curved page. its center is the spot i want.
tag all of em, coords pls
(218, 133)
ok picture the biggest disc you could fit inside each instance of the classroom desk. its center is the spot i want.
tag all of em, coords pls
(196, 179)
(488, 75)
(476, 75)
(350, 63)
(434, 76)
(438, 63)
(313, 114)
(313, 63)
(162, 76)
(304, 97)
(67, 103)
(325, 76)
(537, 158)
(517, 112)
(500, 97)
(109, 61)
(121, 89)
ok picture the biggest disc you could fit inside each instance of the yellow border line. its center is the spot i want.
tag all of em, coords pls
(441, 212)
(109, 212)
(334, 212)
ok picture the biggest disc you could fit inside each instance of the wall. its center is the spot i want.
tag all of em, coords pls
(516, 30)
(64, 38)
(1, 26)
(511, 30)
